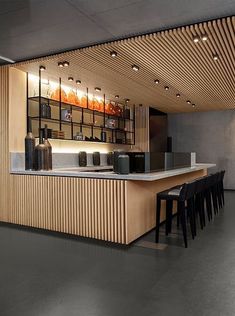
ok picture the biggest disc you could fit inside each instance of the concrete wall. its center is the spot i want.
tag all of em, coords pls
(211, 135)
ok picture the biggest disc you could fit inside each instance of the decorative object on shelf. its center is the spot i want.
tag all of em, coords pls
(110, 158)
(103, 136)
(82, 159)
(56, 95)
(58, 134)
(78, 136)
(41, 154)
(84, 101)
(66, 115)
(45, 110)
(116, 154)
(49, 149)
(110, 123)
(49, 132)
(73, 98)
(123, 164)
(29, 147)
(118, 110)
(96, 158)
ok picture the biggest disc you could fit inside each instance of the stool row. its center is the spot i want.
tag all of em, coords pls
(195, 200)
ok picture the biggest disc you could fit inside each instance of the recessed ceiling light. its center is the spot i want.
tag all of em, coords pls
(113, 53)
(193, 105)
(166, 88)
(65, 63)
(70, 78)
(78, 82)
(156, 81)
(127, 100)
(204, 37)
(177, 95)
(188, 101)
(60, 64)
(116, 96)
(215, 57)
(42, 68)
(135, 67)
(196, 39)
(97, 89)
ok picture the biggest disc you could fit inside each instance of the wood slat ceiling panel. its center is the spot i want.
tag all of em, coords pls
(171, 56)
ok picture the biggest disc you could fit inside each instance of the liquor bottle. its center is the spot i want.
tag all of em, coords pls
(29, 147)
(49, 149)
(41, 154)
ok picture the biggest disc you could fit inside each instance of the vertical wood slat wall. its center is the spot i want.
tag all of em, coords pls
(87, 207)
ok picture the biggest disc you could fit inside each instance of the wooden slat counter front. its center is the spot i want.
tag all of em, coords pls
(105, 206)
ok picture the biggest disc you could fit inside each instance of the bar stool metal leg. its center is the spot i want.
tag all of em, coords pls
(158, 212)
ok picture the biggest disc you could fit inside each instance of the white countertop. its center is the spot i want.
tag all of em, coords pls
(80, 172)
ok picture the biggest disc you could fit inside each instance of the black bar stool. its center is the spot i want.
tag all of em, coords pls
(183, 195)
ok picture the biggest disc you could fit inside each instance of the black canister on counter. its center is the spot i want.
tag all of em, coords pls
(110, 158)
(123, 164)
(82, 159)
(116, 153)
(29, 147)
(96, 158)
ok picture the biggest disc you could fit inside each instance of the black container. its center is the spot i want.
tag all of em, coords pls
(48, 111)
(41, 154)
(49, 132)
(29, 147)
(96, 158)
(49, 150)
(82, 159)
(110, 158)
(116, 153)
(123, 164)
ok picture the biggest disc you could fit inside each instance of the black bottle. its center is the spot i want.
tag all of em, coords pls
(49, 149)
(96, 158)
(41, 154)
(82, 159)
(29, 147)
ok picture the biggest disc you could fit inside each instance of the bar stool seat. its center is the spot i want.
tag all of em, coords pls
(182, 194)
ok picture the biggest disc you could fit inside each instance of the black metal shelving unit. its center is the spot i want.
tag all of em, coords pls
(123, 133)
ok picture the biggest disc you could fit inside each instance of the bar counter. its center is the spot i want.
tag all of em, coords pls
(101, 205)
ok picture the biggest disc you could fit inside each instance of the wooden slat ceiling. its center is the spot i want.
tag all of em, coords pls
(171, 56)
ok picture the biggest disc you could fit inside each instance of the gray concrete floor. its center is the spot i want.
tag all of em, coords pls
(44, 274)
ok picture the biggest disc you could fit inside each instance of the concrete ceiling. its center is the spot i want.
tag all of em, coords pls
(33, 28)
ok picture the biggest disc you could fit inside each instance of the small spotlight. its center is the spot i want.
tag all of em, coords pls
(196, 39)
(188, 101)
(156, 81)
(70, 78)
(204, 37)
(42, 68)
(166, 88)
(127, 100)
(177, 95)
(97, 89)
(215, 57)
(135, 67)
(65, 63)
(113, 53)
(60, 64)
(78, 82)
(116, 96)
(193, 105)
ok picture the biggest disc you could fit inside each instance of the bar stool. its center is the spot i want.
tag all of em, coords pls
(199, 200)
(183, 195)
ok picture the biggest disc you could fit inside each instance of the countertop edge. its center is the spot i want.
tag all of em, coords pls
(112, 176)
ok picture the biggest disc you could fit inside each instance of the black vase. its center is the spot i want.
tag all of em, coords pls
(82, 159)
(96, 158)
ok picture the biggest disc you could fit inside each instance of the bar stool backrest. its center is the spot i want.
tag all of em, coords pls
(200, 184)
(191, 189)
